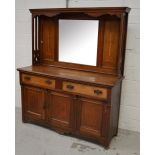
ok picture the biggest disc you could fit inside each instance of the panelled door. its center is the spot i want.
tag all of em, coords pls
(90, 117)
(33, 102)
(60, 111)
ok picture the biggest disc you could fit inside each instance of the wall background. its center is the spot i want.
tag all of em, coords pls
(130, 102)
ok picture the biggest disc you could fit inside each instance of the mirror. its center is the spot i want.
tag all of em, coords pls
(78, 41)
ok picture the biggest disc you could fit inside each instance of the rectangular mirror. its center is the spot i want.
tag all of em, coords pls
(78, 41)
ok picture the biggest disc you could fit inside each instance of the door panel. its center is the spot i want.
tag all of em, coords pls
(60, 110)
(90, 117)
(33, 102)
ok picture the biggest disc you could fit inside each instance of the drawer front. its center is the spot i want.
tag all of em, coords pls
(85, 89)
(38, 81)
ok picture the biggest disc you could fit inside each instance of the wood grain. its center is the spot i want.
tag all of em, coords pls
(38, 81)
(111, 37)
(60, 110)
(34, 103)
(90, 117)
(80, 76)
(85, 89)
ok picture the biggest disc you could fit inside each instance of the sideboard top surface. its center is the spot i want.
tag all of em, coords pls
(88, 77)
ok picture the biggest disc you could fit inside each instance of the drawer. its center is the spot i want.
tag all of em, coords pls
(38, 81)
(85, 89)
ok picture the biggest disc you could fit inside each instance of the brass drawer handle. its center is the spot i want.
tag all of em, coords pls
(97, 92)
(70, 87)
(27, 78)
(48, 82)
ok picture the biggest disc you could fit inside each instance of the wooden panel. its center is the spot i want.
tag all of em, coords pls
(85, 89)
(60, 110)
(48, 40)
(90, 121)
(33, 102)
(111, 43)
(115, 106)
(38, 81)
(112, 31)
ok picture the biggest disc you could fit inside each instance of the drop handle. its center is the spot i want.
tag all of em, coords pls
(98, 92)
(48, 82)
(70, 87)
(27, 78)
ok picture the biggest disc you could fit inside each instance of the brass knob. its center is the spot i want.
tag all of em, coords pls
(70, 87)
(48, 82)
(98, 92)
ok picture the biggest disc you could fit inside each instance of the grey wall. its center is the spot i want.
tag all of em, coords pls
(130, 107)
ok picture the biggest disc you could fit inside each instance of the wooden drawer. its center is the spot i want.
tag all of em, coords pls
(85, 89)
(38, 81)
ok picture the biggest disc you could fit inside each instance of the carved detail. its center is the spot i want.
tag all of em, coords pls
(91, 14)
(48, 14)
(36, 57)
(99, 14)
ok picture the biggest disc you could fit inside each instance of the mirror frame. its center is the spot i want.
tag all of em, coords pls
(78, 36)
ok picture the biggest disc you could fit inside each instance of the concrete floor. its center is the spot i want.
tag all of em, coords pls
(35, 140)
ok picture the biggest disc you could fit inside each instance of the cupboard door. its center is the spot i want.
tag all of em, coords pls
(33, 103)
(60, 113)
(90, 117)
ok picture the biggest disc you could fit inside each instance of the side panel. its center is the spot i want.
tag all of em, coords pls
(115, 108)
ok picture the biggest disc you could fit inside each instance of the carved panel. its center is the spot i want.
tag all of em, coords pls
(36, 56)
(101, 14)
